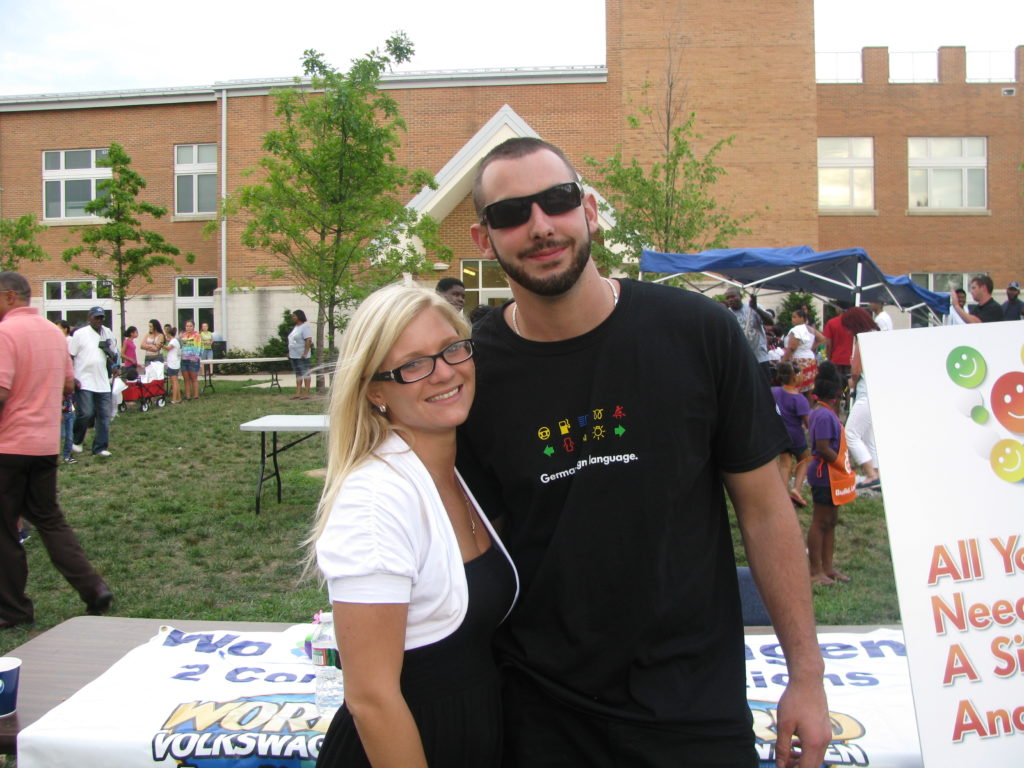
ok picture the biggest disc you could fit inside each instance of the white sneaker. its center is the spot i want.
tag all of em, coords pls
(102, 453)
(77, 448)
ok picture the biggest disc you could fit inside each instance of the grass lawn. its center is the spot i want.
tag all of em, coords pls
(169, 521)
(862, 552)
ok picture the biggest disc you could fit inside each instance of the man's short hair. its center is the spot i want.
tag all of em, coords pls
(445, 284)
(513, 149)
(12, 281)
(984, 280)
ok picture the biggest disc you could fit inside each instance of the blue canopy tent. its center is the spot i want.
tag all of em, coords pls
(846, 275)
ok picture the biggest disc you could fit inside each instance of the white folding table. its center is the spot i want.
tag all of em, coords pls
(207, 368)
(274, 424)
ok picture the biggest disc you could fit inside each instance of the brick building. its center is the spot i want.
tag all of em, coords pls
(872, 164)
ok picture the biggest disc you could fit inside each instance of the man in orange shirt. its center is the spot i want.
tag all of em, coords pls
(35, 374)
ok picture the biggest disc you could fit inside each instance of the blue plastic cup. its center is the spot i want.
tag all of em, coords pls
(9, 669)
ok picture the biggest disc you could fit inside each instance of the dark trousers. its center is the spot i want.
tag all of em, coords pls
(542, 732)
(28, 488)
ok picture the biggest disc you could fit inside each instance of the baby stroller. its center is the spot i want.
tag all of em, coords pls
(147, 389)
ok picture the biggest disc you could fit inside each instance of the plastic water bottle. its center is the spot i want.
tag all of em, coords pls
(330, 685)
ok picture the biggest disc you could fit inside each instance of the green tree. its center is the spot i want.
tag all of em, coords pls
(328, 204)
(118, 249)
(18, 241)
(796, 300)
(668, 207)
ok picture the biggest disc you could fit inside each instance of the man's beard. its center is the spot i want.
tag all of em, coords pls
(551, 285)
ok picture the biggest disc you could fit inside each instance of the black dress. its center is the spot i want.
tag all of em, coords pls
(452, 686)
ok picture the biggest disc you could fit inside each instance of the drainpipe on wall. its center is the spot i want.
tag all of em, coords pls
(223, 221)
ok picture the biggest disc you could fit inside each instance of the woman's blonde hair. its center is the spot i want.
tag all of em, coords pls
(357, 427)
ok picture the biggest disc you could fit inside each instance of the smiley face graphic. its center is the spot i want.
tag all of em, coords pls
(966, 367)
(1007, 459)
(1008, 401)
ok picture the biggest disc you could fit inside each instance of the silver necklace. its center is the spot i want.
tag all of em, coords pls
(515, 306)
(469, 509)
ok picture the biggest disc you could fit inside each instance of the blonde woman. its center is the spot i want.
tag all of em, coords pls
(417, 578)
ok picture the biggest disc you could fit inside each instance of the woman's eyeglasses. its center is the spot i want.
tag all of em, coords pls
(420, 367)
(514, 211)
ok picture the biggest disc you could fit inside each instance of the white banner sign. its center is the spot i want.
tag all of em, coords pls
(948, 411)
(245, 699)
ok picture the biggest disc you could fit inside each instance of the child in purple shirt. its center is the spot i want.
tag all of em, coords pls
(831, 479)
(793, 407)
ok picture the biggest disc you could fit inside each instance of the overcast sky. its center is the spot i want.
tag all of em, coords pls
(62, 46)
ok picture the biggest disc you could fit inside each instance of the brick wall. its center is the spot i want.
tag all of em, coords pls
(746, 67)
(148, 134)
(891, 113)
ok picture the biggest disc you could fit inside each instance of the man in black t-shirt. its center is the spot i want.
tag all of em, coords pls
(986, 310)
(1013, 308)
(608, 414)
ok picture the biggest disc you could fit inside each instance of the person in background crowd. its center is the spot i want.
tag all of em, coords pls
(453, 290)
(129, 355)
(626, 647)
(173, 347)
(35, 372)
(1013, 307)
(418, 579)
(986, 310)
(793, 407)
(775, 348)
(300, 344)
(89, 347)
(153, 344)
(752, 320)
(206, 338)
(479, 312)
(191, 349)
(881, 317)
(953, 318)
(860, 431)
(67, 410)
(800, 343)
(840, 342)
(832, 483)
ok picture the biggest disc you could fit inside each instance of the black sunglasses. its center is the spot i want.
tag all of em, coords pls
(420, 367)
(514, 211)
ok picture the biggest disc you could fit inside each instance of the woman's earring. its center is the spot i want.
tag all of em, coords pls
(382, 408)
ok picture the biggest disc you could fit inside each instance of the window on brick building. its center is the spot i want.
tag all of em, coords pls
(846, 173)
(71, 300)
(947, 172)
(194, 300)
(195, 179)
(71, 178)
(485, 283)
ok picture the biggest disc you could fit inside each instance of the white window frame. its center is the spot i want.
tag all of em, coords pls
(471, 273)
(62, 175)
(851, 165)
(944, 282)
(194, 170)
(930, 165)
(195, 302)
(59, 309)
